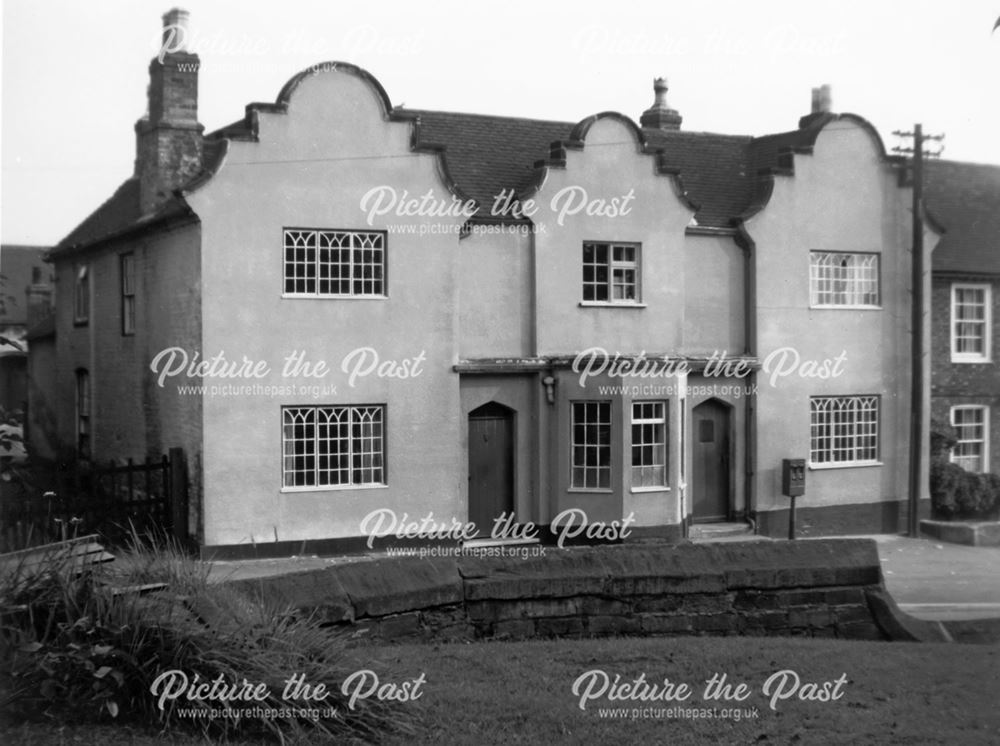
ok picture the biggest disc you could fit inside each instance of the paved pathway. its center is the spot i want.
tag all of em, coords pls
(932, 579)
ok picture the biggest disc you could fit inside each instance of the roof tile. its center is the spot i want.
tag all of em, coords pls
(965, 199)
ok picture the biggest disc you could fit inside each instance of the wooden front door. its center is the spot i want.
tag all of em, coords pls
(710, 457)
(491, 465)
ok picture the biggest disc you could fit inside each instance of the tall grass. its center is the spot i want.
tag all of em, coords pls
(76, 648)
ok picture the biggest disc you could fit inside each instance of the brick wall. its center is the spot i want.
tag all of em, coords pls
(131, 417)
(964, 383)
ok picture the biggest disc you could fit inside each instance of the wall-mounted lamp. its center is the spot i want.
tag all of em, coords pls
(550, 389)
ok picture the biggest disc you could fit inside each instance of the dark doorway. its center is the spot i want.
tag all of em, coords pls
(491, 465)
(711, 445)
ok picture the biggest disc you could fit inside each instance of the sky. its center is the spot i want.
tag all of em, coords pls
(74, 73)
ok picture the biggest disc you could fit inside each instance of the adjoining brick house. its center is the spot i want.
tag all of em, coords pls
(965, 383)
(25, 300)
(485, 361)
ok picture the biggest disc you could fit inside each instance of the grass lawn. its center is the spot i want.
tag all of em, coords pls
(495, 692)
(522, 692)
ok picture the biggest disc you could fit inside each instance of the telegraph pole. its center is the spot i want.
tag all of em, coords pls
(917, 321)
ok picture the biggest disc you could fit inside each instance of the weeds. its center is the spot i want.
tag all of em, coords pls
(85, 647)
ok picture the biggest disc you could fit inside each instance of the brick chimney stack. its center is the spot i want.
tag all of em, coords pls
(660, 116)
(168, 137)
(822, 100)
(822, 106)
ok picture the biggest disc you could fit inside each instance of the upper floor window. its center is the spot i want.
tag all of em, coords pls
(972, 426)
(330, 446)
(591, 444)
(611, 272)
(82, 413)
(334, 263)
(971, 322)
(843, 430)
(81, 294)
(128, 293)
(649, 444)
(840, 280)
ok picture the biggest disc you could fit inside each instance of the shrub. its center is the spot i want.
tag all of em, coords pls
(992, 481)
(959, 494)
(73, 649)
(943, 439)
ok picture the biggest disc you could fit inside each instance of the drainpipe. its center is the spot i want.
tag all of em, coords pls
(749, 246)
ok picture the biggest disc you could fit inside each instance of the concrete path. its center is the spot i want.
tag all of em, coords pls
(930, 579)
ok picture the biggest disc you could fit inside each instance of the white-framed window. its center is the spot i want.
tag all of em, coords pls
(591, 445)
(334, 263)
(82, 413)
(649, 444)
(972, 426)
(333, 446)
(127, 264)
(971, 322)
(844, 430)
(841, 279)
(81, 294)
(611, 272)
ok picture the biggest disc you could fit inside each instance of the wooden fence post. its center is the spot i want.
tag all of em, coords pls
(179, 495)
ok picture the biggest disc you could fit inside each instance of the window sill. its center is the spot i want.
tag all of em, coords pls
(313, 296)
(971, 360)
(844, 308)
(844, 465)
(594, 491)
(334, 488)
(609, 304)
(643, 490)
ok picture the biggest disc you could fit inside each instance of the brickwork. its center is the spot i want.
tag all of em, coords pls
(964, 383)
(169, 142)
(132, 417)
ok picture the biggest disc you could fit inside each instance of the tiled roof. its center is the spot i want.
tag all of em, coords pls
(965, 199)
(487, 154)
(714, 171)
(121, 211)
(119, 214)
(484, 155)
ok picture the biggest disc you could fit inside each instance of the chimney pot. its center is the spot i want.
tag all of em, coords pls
(660, 115)
(175, 30)
(660, 89)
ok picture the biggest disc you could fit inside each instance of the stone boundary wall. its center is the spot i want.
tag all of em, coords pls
(816, 588)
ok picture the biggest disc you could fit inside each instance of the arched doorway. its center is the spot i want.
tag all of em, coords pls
(491, 465)
(711, 461)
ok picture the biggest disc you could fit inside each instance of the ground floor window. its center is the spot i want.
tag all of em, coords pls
(844, 430)
(82, 413)
(591, 445)
(649, 444)
(972, 426)
(330, 446)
